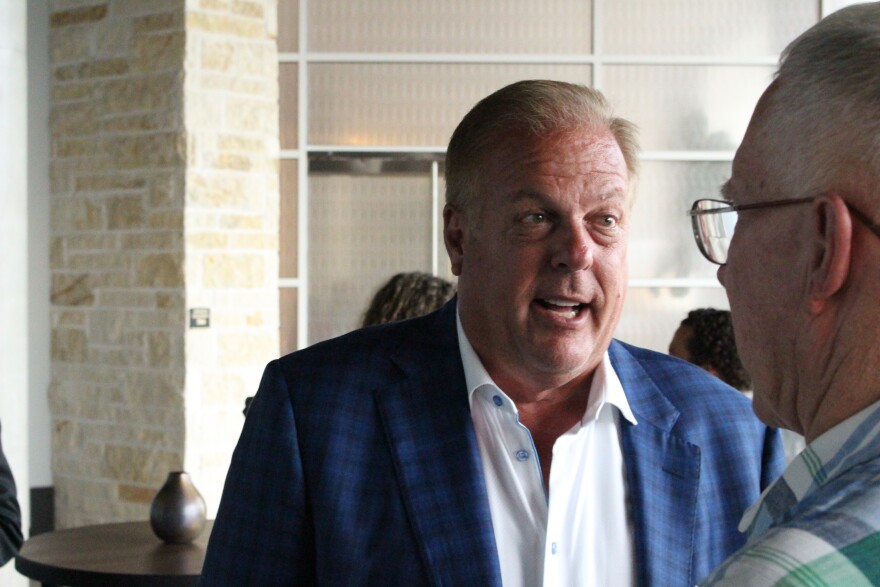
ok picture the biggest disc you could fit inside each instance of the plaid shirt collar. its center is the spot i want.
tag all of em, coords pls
(849, 443)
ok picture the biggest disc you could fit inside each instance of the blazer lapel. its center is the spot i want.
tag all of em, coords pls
(426, 418)
(663, 475)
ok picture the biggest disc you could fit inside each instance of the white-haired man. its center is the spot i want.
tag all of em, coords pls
(802, 272)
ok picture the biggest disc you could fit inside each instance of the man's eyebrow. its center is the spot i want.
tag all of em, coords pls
(725, 190)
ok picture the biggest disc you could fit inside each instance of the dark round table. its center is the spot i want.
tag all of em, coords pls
(108, 555)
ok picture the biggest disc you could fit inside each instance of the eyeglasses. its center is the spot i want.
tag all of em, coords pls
(715, 220)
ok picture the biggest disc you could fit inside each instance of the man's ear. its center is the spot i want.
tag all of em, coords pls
(453, 236)
(831, 238)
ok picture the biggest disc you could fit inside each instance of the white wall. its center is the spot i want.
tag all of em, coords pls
(13, 252)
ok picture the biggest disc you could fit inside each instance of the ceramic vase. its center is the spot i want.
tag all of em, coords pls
(177, 514)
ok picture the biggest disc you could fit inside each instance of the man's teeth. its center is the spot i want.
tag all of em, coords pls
(562, 303)
(564, 307)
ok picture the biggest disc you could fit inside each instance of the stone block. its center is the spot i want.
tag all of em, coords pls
(125, 213)
(162, 149)
(265, 241)
(237, 84)
(166, 191)
(251, 114)
(91, 241)
(154, 121)
(159, 52)
(157, 240)
(72, 92)
(106, 327)
(113, 38)
(233, 162)
(219, 5)
(143, 93)
(217, 54)
(75, 214)
(247, 348)
(207, 240)
(242, 143)
(110, 183)
(160, 270)
(140, 464)
(101, 68)
(69, 345)
(85, 14)
(72, 290)
(247, 8)
(224, 24)
(233, 271)
(137, 493)
(256, 59)
(162, 351)
(74, 119)
(56, 253)
(68, 318)
(170, 300)
(79, 147)
(216, 191)
(70, 45)
(224, 389)
(240, 222)
(161, 21)
(165, 219)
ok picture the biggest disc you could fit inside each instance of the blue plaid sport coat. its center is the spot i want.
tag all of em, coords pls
(358, 465)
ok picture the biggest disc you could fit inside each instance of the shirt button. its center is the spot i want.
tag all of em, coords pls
(497, 399)
(553, 548)
(522, 455)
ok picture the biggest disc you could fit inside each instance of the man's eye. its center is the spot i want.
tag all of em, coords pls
(608, 221)
(535, 218)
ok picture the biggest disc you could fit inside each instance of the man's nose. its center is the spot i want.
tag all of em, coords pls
(573, 249)
(722, 271)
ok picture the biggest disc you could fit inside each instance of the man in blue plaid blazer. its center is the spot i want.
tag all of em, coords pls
(505, 439)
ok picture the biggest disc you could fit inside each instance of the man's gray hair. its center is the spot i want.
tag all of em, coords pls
(826, 110)
(527, 110)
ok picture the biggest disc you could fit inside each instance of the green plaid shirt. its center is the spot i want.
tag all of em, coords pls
(818, 524)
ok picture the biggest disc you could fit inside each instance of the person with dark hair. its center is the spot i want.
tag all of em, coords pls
(705, 338)
(407, 295)
(10, 514)
(504, 439)
(797, 240)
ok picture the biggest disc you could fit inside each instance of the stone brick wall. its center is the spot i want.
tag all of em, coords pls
(164, 197)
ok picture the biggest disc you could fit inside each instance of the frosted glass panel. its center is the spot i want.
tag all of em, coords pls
(288, 26)
(687, 107)
(651, 315)
(391, 104)
(746, 28)
(363, 229)
(429, 26)
(287, 105)
(661, 242)
(288, 219)
(288, 303)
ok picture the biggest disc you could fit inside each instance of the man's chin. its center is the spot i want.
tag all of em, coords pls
(767, 414)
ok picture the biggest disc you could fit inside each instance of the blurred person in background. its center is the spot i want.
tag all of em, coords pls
(705, 338)
(407, 295)
(10, 514)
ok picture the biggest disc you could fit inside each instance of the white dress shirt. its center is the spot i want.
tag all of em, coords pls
(581, 534)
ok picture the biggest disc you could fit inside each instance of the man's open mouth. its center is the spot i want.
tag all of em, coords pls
(562, 307)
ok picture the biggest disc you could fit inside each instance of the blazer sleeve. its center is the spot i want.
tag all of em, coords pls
(774, 462)
(10, 514)
(252, 543)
